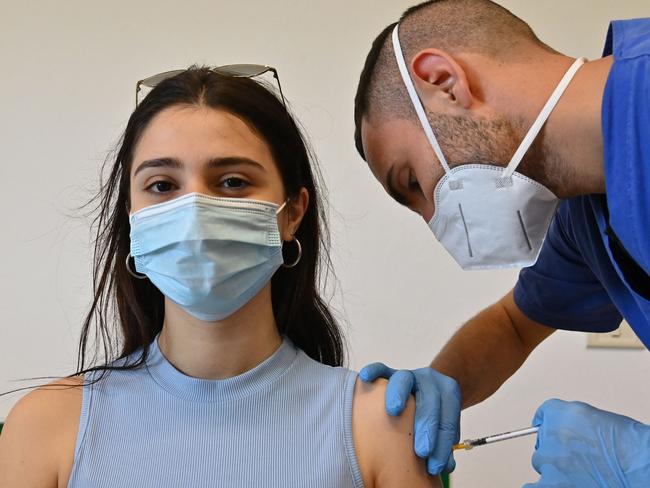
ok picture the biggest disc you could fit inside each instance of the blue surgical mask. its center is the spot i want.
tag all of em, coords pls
(209, 255)
(487, 216)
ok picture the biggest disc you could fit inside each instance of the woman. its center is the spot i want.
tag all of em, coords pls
(209, 242)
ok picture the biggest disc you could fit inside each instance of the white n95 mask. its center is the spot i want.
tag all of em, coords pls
(209, 255)
(488, 216)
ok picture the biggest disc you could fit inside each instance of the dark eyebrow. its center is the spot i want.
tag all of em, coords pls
(233, 161)
(159, 163)
(219, 162)
(392, 190)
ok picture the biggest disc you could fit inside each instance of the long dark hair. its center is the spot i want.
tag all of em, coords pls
(136, 307)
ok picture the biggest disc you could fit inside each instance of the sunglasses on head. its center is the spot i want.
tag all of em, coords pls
(236, 70)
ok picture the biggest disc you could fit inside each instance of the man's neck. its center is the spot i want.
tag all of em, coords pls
(572, 138)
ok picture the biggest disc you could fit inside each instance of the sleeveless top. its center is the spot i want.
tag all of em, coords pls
(286, 423)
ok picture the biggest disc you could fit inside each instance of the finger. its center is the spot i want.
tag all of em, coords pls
(427, 419)
(535, 462)
(375, 370)
(451, 464)
(542, 415)
(538, 418)
(448, 433)
(398, 390)
(547, 407)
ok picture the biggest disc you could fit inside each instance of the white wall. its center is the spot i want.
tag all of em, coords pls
(66, 91)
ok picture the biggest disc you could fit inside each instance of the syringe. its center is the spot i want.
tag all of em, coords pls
(472, 443)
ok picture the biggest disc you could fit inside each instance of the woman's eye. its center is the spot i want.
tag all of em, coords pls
(234, 183)
(161, 186)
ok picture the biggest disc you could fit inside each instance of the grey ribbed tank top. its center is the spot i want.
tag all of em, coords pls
(286, 423)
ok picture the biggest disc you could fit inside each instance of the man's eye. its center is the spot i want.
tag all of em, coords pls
(161, 186)
(413, 182)
(234, 182)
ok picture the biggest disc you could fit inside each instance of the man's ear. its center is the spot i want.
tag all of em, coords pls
(436, 73)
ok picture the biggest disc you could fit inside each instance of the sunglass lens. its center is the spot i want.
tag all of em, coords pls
(247, 70)
(155, 79)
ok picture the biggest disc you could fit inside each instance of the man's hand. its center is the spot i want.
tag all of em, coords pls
(581, 446)
(437, 410)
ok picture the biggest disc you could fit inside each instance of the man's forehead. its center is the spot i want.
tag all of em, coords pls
(384, 142)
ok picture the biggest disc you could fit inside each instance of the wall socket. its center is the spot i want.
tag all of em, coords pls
(621, 338)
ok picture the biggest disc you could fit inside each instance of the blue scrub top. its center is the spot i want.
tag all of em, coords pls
(594, 267)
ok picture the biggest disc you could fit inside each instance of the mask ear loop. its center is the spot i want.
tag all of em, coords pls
(528, 140)
(542, 118)
(281, 207)
(294, 239)
(415, 100)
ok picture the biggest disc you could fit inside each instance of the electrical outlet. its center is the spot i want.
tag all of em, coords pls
(621, 338)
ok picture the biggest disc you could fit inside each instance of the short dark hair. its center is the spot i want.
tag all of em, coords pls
(362, 98)
(452, 25)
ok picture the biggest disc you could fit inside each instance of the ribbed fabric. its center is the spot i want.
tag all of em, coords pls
(286, 423)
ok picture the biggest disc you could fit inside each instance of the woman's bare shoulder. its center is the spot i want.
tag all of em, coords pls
(38, 434)
(58, 399)
(49, 404)
(384, 444)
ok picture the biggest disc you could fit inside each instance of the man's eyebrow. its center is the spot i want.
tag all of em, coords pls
(219, 162)
(392, 190)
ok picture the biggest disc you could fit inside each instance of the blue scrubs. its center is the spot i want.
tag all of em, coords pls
(594, 267)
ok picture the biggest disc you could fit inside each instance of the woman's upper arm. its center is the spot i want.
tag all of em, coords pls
(384, 444)
(30, 439)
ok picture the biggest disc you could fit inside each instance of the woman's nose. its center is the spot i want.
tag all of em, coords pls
(198, 185)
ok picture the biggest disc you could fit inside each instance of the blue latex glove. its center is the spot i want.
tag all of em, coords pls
(581, 446)
(437, 410)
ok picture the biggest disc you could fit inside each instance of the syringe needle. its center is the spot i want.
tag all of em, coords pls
(472, 443)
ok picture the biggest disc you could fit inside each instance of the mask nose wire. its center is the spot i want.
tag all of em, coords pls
(542, 117)
(415, 100)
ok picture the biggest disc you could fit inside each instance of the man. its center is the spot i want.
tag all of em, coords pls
(443, 105)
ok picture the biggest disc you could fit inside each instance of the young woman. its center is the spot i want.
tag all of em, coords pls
(209, 244)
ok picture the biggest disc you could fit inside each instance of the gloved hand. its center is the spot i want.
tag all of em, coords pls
(581, 446)
(437, 410)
